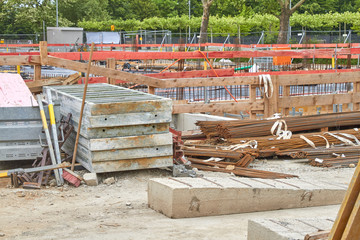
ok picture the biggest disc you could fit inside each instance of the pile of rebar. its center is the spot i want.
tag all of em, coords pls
(258, 128)
(335, 162)
(238, 171)
(346, 137)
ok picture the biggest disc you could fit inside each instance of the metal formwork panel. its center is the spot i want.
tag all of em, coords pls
(122, 129)
(20, 131)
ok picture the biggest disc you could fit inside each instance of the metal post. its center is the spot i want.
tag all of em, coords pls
(289, 29)
(44, 31)
(189, 17)
(48, 139)
(54, 131)
(57, 14)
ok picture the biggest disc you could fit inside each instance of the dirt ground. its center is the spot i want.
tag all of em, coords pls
(120, 211)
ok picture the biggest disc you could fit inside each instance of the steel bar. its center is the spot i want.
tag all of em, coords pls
(48, 138)
(54, 132)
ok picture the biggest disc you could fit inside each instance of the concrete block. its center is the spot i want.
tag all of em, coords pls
(91, 179)
(286, 229)
(195, 197)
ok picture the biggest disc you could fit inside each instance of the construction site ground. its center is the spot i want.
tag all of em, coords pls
(120, 211)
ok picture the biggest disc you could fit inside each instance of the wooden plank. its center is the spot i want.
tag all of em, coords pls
(110, 63)
(286, 93)
(349, 204)
(352, 229)
(316, 100)
(151, 90)
(317, 236)
(72, 79)
(193, 74)
(37, 72)
(100, 71)
(14, 60)
(321, 78)
(356, 86)
(43, 53)
(253, 100)
(217, 107)
(205, 82)
(36, 86)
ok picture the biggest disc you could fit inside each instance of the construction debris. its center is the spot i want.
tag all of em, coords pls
(36, 87)
(91, 179)
(42, 177)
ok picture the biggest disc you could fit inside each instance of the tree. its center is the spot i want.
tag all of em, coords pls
(284, 18)
(77, 10)
(205, 20)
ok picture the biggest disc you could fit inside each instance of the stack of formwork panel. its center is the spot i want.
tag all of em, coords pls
(122, 129)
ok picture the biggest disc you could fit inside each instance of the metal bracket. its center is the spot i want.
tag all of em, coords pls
(41, 143)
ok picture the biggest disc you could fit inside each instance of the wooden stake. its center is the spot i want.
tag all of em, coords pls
(82, 108)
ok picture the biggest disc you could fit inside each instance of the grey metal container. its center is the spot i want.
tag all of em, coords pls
(122, 129)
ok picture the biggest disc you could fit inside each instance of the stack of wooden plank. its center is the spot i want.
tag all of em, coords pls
(122, 129)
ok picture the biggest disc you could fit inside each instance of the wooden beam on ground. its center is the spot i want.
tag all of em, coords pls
(217, 107)
(317, 236)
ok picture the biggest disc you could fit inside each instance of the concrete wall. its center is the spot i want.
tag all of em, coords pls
(64, 35)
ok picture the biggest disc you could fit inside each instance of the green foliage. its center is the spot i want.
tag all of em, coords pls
(27, 16)
(227, 16)
(76, 10)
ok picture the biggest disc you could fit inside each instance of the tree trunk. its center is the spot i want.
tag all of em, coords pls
(284, 26)
(204, 24)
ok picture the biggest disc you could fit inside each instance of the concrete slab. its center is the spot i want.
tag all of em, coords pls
(196, 197)
(286, 229)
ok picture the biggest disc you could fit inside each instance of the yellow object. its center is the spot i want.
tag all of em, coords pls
(2, 41)
(112, 27)
(3, 174)
(333, 62)
(160, 49)
(43, 118)
(205, 65)
(52, 115)
(18, 69)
